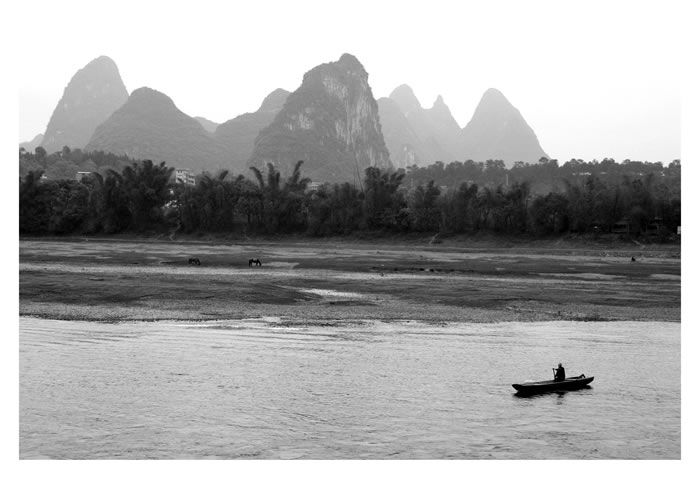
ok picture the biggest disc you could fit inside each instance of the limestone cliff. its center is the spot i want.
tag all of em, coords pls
(237, 136)
(331, 122)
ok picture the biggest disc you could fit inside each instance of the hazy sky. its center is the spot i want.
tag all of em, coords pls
(593, 79)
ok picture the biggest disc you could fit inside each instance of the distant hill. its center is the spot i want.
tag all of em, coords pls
(445, 129)
(423, 136)
(436, 133)
(237, 136)
(92, 95)
(498, 131)
(331, 122)
(208, 125)
(404, 144)
(150, 126)
(32, 144)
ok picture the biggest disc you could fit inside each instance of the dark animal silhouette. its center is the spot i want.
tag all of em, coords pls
(633, 259)
(255, 262)
(194, 261)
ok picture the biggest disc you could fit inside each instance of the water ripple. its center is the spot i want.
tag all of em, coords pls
(242, 389)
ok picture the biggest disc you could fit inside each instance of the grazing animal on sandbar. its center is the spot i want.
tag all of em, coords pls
(255, 262)
(194, 261)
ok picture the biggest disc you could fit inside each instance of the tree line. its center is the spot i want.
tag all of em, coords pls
(544, 176)
(145, 198)
(64, 164)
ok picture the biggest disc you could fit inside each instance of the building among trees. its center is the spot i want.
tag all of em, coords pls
(184, 175)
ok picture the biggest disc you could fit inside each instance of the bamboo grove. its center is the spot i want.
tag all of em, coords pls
(543, 199)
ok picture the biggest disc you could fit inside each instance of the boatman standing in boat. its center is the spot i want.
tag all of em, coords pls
(559, 374)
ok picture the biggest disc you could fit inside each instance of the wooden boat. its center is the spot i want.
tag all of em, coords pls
(568, 384)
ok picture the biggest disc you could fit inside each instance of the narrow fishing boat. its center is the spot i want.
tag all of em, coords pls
(568, 384)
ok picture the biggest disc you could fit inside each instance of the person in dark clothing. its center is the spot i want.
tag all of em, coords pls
(559, 373)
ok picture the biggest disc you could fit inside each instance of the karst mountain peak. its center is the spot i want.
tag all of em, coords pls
(332, 122)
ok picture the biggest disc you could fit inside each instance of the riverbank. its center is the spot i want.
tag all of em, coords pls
(327, 281)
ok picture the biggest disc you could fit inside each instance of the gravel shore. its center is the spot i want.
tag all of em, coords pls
(330, 282)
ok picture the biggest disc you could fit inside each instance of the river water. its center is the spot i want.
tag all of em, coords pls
(255, 389)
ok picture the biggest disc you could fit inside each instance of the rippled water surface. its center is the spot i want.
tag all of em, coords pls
(253, 389)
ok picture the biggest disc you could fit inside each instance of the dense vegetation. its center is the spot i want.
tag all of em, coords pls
(64, 164)
(544, 176)
(459, 198)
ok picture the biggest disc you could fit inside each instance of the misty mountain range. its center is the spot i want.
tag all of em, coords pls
(332, 122)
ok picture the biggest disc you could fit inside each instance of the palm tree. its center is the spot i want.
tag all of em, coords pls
(295, 183)
(147, 189)
(281, 205)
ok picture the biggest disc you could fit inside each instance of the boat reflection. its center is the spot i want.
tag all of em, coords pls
(560, 392)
